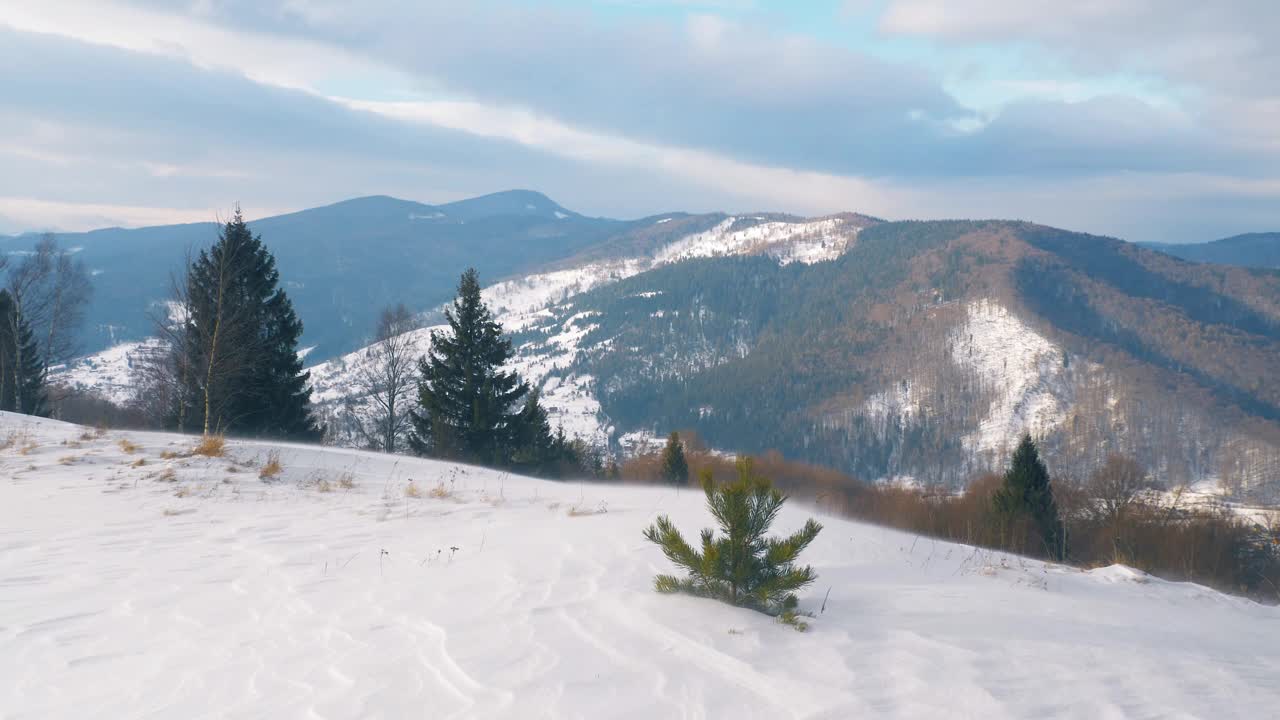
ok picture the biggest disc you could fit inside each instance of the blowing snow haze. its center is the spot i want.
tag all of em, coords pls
(387, 359)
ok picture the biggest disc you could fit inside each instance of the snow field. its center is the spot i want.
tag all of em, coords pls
(179, 588)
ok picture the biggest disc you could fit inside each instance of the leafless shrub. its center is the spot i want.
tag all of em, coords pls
(210, 446)
(583, 511)
(272, 468)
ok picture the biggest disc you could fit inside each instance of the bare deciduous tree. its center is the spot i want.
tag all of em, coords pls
(1116, 488)
(50, 289)
(387, 379)
(162, 366)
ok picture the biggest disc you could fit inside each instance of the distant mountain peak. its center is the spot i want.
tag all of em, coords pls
(1258, 249)
(507, 202)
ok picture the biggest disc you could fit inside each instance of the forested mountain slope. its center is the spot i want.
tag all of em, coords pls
(914, 350)
(926, 348)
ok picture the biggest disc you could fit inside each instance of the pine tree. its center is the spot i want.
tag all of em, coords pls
(469, 408)
(675, 469)
(742, 566)
(280, 383)
(22, 376)
(241, 343)
(536, 450)
(1028, 493)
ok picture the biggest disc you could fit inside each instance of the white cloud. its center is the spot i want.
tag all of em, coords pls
(37, 214)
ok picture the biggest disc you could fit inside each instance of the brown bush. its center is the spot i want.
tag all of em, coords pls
(272, 468)
(210, 446)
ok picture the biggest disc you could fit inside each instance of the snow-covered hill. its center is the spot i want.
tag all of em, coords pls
(521, 303)
(543, 302)
(138, 586)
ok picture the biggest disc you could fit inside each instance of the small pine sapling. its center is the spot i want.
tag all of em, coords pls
(741, 566)
(675, 468)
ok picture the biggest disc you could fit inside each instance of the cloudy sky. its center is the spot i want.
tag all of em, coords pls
(1146, 119)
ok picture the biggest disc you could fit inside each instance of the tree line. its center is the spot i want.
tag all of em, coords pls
(228, 363)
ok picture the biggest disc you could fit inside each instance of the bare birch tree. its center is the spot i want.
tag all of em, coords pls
(387, 379)
(50, 290)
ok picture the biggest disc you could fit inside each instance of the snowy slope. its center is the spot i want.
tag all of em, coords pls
(540, 302)
(808, 242)
(216, 594)
(1022, 368)
(109, 372)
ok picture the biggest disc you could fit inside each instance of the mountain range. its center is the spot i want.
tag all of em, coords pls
(340, 263)
(916, 351)
(1248, 250)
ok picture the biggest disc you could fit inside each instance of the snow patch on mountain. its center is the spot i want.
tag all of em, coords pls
(108, 373)
(897, 401)
(519, 303)
(807, 242)
(1022, 370)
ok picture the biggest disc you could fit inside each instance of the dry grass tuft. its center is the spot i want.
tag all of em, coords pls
(127, 446)
(324, 486)
(87, 435)
(580, 511)
(440, 492)
(167, 475)
(346, 481)
(272, 468)
(411, 490)
(171, 455)
(138, 463)
(211, 446)
(67, 459)
(182, 492)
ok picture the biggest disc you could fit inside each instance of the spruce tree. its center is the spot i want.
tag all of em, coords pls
(675, 469)
(742, 566)
(22, 375)
(468, 407)
(1028, 493)
(536, 449)
(241, 339)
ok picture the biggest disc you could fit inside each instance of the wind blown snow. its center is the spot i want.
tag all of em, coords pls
(187, 587)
